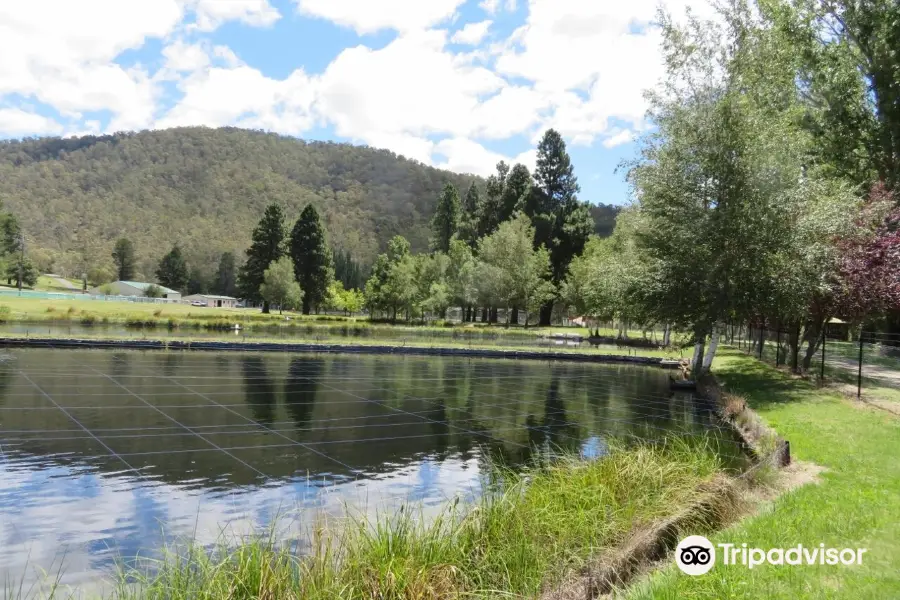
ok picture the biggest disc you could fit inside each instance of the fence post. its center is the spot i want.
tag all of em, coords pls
(778, 347)
(822, 366)
(859, 374)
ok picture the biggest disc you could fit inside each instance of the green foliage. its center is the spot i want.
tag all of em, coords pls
(511, 272)
(468, 228)
(173, 270)
(97, 276)
(347, 270)
(153, 291)
(461, 274)
(391, 288)
(225, 283)
(446, 221)
(267, 247)
(279, 286)
(201, 188)
(198, 282)
(123, 255)
(311, 257)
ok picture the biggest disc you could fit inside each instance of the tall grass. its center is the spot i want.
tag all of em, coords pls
(524, 535)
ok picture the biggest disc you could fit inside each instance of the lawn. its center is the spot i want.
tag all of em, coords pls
(856, 505)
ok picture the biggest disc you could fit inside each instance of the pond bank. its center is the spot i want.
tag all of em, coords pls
(349, 348)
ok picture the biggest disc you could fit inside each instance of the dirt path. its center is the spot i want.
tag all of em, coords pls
(64, 283)
(885, 375)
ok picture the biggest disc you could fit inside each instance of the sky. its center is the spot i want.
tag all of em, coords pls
(457, 84)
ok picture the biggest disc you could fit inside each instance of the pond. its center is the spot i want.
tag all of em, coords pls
(322, 332)
(105, 455)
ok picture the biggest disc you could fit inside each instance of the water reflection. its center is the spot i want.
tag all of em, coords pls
(259, 389)
(300, 388)
(325, 432)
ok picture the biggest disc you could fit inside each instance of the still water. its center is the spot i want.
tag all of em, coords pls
(105, 455)
(299, 332)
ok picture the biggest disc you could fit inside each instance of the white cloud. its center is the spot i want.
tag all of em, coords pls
(618, 139)
(369, 16)
(464, 155)
(15, 122)
(185, 57)
(411, 86)
(210, 14)
(472, 33)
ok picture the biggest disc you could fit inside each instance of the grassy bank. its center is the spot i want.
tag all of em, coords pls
(856, 505)
(527, 536)
(183, 316)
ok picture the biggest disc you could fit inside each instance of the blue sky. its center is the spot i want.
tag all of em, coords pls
(458, 84)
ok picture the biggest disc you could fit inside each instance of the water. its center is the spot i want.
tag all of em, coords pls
(108, 454)
(325, 333)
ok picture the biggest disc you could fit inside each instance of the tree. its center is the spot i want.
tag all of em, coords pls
(391, 288)
(847, 70)
(173, 270)
(97, 276)
(461, 273)
(562, 223)
(267, 247)
(446, 221)
(311, 257)
(198, 282)
(347, 270)
(225, 283)
(153, 291)
(516, 192)
(124, 257)
(491, 209)
(511, 271)
(468, 228)
(279, 286)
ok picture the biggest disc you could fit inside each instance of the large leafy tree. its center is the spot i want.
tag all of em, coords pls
(347, 270)
(447, 219)
(311, 254)
(562, 223)
(173, 270)
(511, 271)
(124, 257)
(490, 213)
(848, 69)
(279, 286)
(267, 247)
(391, 288)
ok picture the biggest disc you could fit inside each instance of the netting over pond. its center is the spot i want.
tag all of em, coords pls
(105, 448)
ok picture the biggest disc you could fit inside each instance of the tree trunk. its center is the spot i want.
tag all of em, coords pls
(813, 337)
(307, 307)
(546, 314)
(667, 335)
(265, 307)
(794, 345)
(484, 315)
(493, 314)
(713, 345)
(697, 361)
(512, 316)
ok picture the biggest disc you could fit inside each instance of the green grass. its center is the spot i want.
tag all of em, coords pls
(529, 533)
(857, 504)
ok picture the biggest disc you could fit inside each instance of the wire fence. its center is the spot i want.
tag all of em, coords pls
(841, 354)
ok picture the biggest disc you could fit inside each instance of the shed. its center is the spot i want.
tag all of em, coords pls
(133, 289)
(212, 300)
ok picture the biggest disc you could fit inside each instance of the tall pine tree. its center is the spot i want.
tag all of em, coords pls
(312, 258)
(123, 255)
(267, 247)
(446, 220)
(562, 223)
(226, 276)
(468, 228)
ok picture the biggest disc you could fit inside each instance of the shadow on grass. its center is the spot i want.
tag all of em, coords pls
(762, 385)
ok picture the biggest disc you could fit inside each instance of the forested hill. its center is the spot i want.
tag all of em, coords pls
(206, 189)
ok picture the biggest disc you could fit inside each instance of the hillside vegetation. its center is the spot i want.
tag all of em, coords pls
(204, 189)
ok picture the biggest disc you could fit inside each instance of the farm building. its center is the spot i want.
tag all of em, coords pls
(212, 300)
(134, 289)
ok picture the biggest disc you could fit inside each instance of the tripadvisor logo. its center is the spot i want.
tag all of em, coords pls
(696, 555)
